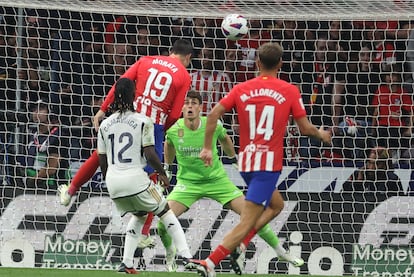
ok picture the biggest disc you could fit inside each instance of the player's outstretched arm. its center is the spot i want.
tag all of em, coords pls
(154, 161)
(98, 118)
(308, 129)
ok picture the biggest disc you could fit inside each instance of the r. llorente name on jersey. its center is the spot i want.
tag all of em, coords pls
(189, 151)
(166, 64)
(264, 92)
(121, 120)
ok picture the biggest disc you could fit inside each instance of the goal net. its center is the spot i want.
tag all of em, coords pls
(348, 206)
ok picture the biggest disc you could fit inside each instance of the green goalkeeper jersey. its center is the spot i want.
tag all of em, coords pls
(188, 144)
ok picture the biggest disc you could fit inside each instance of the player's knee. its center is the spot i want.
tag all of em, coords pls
(164, 211)
(277, 207)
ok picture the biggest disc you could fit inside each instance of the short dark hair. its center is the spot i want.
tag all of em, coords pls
(270, 54)
(42, 105)
(182, 47)
(124, 95)
(195, 95)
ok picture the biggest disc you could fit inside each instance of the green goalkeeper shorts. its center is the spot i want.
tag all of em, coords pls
(221, 190)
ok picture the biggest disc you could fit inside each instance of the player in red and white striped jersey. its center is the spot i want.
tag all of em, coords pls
(263, 106)
(161, 84)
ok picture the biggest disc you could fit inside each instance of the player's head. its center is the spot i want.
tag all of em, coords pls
(192, 105)
(269, 56)
(377, 163)
(124, 95)
(182, 49)
(42, 115)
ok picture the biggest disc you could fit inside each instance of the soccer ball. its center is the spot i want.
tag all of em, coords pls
(234, 26)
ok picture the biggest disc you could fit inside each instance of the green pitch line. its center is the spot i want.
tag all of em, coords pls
(39, 272)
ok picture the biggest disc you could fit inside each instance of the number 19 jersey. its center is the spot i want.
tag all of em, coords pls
(263, 106)
(161, 84)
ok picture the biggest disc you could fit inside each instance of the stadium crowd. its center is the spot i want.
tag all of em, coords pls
(356, 78)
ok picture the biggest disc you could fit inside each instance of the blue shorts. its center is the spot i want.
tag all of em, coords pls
(159, 145)
(260, 186)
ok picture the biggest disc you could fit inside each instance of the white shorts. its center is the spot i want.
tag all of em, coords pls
(149, 200)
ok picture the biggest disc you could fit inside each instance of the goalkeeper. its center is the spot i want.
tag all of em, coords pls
(184, 140)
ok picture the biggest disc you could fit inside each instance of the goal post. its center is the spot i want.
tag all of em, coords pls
(58, 60)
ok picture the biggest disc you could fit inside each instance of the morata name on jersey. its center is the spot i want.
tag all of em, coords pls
(264, 92)
(166, 64)
(119, 120)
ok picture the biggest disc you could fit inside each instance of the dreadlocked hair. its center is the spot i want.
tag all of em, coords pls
(124, 95)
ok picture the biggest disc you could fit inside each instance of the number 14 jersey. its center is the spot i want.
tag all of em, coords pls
(263, 107)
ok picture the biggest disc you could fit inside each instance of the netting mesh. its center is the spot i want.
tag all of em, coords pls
(284, 9)
(348, 206)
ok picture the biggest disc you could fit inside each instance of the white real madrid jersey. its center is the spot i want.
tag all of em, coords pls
(122, 138)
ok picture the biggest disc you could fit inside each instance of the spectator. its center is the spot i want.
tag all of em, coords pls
(292, 39)
(377, 175)
(393, 113)
(199, 32)
(36, 58)
(171, 30)
(322, 78)
(212, 84)
(352, 106)
(248, 45)
(385, 54)
(69, 84)
(44, 152)
(410, 54)
(149, 41)
(83, 140)
(94, 52)
(231, 61)
(119, 58)
(339, 39)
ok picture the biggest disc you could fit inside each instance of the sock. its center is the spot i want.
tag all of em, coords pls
(164, 236)
(147, 225)
(85, 172)
(131, 239)
(280, 251)
(249, 237)
(267, 234)
(218, 255)
(175, 230)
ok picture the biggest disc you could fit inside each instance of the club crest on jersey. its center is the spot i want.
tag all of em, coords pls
(180, 132)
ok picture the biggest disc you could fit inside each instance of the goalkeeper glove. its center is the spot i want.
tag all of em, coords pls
(234, 162)
(63, 193)
(168, 171)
